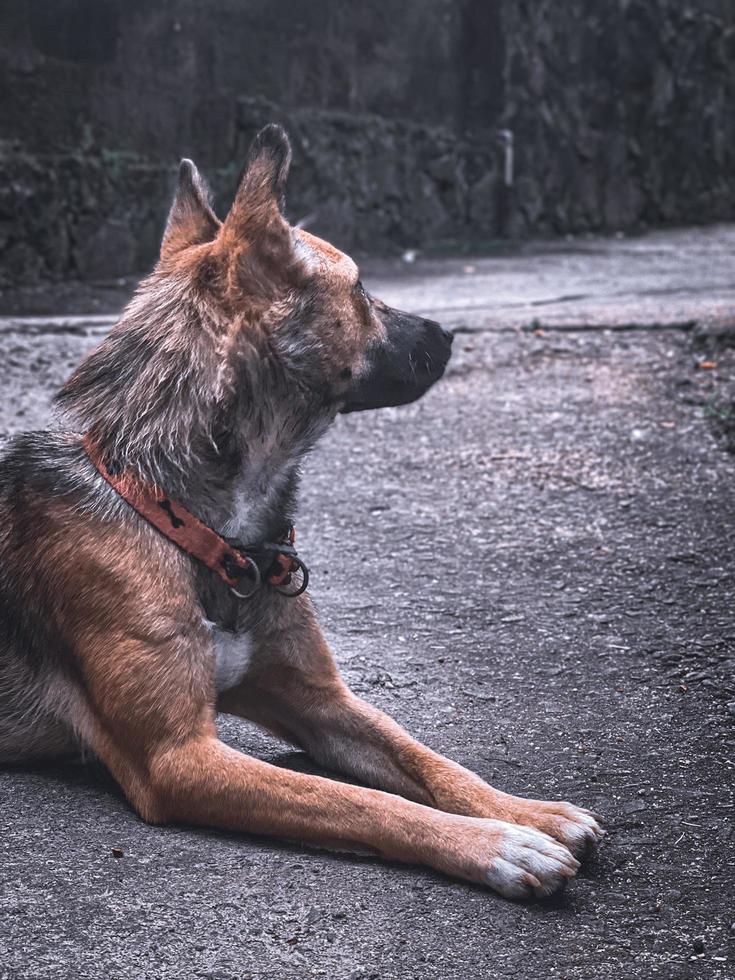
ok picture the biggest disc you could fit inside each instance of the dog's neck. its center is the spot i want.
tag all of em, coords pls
(218, 420)
(245, 487)
(243, 483)
(261, 498)
(257, 486)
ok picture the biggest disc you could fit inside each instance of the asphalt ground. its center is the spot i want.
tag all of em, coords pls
(532, 570)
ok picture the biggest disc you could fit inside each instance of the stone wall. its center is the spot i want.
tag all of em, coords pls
(622, 114)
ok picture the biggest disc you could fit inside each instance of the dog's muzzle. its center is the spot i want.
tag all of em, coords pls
(403, 366)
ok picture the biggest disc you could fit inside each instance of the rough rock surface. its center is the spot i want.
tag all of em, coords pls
(540, 585)
(622, 115)
(622, 112)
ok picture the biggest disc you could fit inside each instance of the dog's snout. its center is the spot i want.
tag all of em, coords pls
(404, 366)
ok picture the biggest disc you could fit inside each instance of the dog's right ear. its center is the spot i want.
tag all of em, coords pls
(191, 220)
(257, 210)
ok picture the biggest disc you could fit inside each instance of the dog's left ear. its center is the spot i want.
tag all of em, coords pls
(191, 220)
(257, 210)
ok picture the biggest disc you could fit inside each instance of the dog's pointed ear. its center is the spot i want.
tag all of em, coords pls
(260, 197)
(191, 220)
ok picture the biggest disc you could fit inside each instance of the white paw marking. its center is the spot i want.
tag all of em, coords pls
(575, 827)
(509, 880)
(529, 863)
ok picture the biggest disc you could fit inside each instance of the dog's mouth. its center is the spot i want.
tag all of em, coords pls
(402, 367)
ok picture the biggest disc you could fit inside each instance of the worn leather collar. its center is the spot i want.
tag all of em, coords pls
(242, 567)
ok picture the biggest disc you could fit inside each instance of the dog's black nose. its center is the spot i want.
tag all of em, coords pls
(442, 336)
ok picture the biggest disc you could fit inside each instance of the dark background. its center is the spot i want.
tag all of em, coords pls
(622, 112)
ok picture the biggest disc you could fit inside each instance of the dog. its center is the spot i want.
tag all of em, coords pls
(148, 570)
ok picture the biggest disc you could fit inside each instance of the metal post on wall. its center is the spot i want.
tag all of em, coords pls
(505, 187)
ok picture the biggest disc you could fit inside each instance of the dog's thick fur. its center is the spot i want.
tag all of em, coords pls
(232, 359)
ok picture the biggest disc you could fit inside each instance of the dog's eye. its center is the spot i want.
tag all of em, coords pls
(359, 290)
(345, 374)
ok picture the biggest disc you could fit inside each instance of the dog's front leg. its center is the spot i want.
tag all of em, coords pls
(206, 782)
(294, 689)
(152, 722)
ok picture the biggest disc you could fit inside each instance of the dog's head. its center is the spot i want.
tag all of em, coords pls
(299, 294)
(245, 342)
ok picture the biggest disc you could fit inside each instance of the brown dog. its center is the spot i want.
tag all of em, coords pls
(127, 622)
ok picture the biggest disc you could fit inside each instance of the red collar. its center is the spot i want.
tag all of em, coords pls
(244, 569)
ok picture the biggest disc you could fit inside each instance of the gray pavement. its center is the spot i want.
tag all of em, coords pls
(541, 586)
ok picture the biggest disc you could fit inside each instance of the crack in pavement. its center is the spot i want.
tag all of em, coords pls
(540, 325)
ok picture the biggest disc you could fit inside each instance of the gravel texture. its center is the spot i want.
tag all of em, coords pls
(532, 570)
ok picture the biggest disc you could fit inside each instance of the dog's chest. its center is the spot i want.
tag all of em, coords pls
(232, 657)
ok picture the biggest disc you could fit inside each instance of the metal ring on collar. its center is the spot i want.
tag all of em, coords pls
(256, 586)
(304, 583)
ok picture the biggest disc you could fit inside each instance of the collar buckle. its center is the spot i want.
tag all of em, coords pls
(277, 563)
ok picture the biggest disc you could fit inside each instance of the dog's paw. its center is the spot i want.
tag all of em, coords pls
(529, 864)
(575, 828)
(517, 862)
